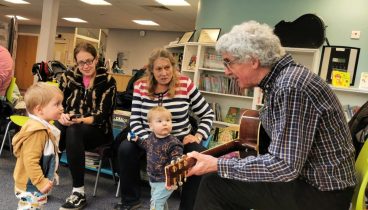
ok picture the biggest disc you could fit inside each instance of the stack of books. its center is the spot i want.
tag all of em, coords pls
(92, 159)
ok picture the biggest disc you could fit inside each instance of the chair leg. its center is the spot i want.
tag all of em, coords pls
(112, 170)
(97, 177)
(4, 138)
(118, 189)
(10, 143)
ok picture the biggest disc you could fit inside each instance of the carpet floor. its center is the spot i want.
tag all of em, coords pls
(105, 196)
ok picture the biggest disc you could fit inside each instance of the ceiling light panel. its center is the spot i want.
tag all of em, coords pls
(18, 17)
(17, 1)
(173, 2)
(75, 20)
(96, 2)
(146, 22)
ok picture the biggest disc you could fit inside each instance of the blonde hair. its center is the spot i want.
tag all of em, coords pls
(151, 81)
(40, 94)
(157, 110)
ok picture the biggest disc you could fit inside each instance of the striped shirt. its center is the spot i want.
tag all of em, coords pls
(310, 139)
(187, 98)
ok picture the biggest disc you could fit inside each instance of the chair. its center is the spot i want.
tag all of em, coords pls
(120, 124)
(14, 119)
(17, 120)
(9, 98)
(99, 154)
(120, 121)
(10, 90)
(361, 168)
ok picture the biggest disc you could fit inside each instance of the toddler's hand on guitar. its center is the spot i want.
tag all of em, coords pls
(204, 164)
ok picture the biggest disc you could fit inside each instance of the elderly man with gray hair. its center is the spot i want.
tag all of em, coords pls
(309, 163)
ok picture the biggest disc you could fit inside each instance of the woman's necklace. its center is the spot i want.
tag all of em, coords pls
(160, 97)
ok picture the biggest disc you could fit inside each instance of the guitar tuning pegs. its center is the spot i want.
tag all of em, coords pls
(175, 184)
(179, 163)
(185, 176)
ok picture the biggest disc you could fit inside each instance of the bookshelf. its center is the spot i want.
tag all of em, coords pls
(209, 63)
(351, 96)
(177, 50)
(306, 56)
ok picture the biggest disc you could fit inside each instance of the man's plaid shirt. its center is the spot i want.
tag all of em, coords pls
(310, 139)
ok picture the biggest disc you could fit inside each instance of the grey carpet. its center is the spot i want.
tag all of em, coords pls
(105, 196)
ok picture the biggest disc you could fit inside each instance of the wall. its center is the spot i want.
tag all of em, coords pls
(340, 16)
(136, 48)
(34, 29)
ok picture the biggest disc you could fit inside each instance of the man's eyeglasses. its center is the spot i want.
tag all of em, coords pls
(82, 63)
(227, 62)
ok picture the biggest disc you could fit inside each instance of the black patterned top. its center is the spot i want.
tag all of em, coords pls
(160, 152)
(97, 101)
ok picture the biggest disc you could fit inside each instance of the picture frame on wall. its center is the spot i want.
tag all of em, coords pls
(186, 37)
(209, 35)
(339, 58)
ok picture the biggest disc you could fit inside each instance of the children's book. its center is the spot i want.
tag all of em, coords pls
(340, 79)
(192, 62)
(233, 115)
(364, 80)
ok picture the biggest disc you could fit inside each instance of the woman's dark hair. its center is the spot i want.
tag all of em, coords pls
(85, 46)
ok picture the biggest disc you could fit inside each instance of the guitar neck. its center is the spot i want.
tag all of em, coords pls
(223, 149)
(249, 134)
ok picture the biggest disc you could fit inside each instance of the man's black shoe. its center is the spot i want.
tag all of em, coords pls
(121, 206)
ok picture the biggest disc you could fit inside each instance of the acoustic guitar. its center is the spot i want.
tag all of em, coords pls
(252, 140)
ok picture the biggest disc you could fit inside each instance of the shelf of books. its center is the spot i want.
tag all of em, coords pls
(222, 106)
(177, 51)
(351, 99)
(218, 88)
(350, 89)
(204, 66)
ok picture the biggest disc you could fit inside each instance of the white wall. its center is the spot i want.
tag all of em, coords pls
(136, 47)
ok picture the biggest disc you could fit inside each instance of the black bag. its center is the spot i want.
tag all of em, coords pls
(358, 126)
(307, 31)
(48, 71)
(6, 109)
(124, 99)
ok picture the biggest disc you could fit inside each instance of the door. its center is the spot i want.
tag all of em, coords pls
(60, 52)
(26, 57)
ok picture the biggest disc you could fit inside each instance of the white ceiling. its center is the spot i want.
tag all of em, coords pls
(119, 15)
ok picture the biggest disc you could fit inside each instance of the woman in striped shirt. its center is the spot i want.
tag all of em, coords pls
(163, 86)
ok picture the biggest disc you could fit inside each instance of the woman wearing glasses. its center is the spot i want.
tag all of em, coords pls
(163, 86)
(89, 97)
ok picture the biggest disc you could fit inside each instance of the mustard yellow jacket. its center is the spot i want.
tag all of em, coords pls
(36, 157)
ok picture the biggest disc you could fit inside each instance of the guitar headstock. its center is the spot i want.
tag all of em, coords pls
(176, 172)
